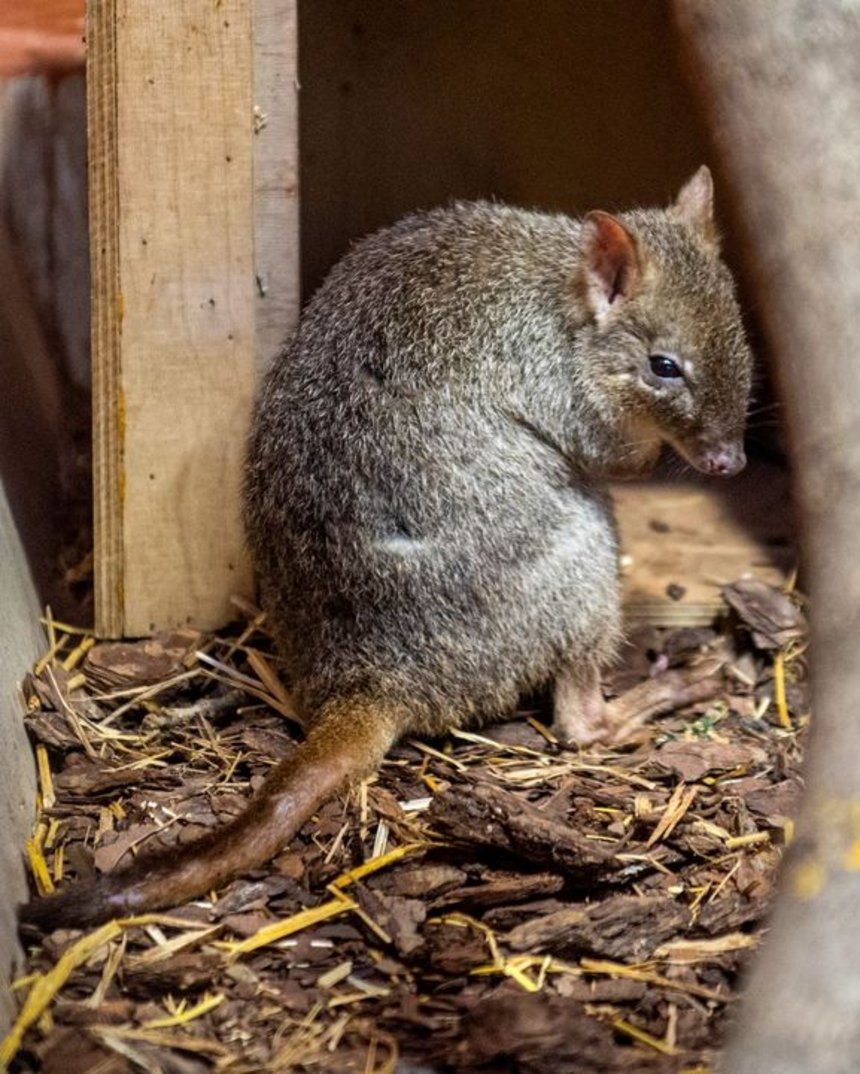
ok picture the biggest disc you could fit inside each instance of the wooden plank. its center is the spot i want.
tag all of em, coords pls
(276, 175)
(171, 174)
(103, 175)
(683, 539)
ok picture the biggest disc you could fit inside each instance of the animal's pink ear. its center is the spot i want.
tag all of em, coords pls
(611, 266)
(695, 204)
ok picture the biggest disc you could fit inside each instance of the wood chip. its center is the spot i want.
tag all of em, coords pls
(567, 910)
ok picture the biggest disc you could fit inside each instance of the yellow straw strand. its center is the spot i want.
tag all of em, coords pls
(779, 691)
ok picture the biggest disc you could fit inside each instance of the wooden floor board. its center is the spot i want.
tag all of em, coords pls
(682, 540)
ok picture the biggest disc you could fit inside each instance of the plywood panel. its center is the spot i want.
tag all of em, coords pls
(560, 105)
(683, 540)
(171, 120)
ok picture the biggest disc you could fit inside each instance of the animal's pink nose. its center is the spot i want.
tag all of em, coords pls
(724, 460)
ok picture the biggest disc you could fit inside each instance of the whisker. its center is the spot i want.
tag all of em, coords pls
(630, 444)
(765, 441)
(677, 465)
(764, 408)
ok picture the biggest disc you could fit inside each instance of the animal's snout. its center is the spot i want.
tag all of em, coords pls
(723, 460)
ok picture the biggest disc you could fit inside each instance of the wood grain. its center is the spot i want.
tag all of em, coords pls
(172, 228)
(684, 539)
(276, 175)
(194, 205)
(102, 137)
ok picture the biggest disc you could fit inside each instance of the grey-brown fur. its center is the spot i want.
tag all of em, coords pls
(425, 495)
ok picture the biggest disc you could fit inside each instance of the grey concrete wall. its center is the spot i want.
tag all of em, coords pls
(21, 643)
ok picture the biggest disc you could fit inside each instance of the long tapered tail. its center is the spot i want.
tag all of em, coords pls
(349, 739)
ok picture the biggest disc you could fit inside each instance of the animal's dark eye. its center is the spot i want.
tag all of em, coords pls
(664, 367)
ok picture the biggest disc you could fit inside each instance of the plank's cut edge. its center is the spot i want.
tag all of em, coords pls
(106, 310)
(276, 175)
(666, 615)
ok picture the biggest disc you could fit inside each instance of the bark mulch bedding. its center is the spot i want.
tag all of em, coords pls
(491, 902)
